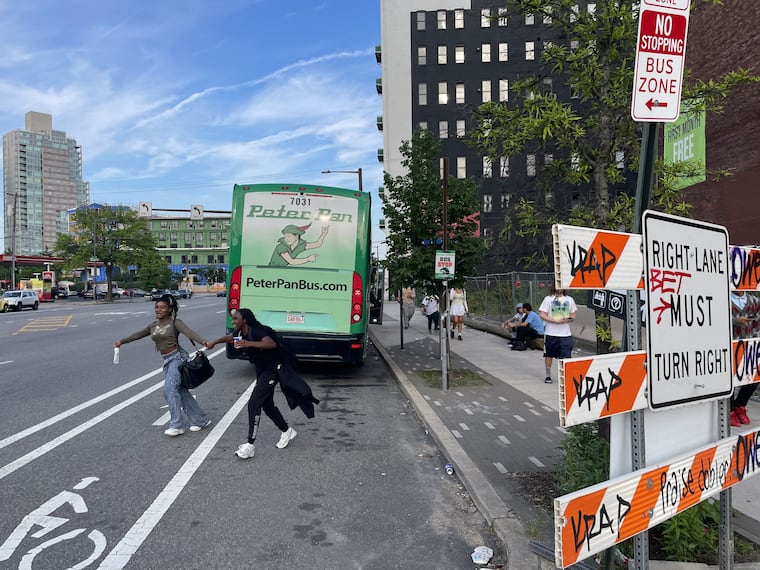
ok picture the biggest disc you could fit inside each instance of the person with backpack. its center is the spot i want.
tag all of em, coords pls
(272, 359)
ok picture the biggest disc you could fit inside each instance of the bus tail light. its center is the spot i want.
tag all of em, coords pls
(233, 295)
(357, 300)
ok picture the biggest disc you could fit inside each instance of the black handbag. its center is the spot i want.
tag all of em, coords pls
(196, 370)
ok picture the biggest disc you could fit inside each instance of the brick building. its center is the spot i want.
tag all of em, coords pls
(723, 38)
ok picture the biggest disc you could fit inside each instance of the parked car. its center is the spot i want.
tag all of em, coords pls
(222, 293)
(185, 293)
(136, 292)
(18, 300)
(156, 294)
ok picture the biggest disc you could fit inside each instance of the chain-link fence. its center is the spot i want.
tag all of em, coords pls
(495, 295)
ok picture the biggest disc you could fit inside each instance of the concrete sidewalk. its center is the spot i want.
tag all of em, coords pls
(505, 432)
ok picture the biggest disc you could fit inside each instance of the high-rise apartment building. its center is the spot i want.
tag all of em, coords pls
(42, 180)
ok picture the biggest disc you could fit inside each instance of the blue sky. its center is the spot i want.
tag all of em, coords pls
(173, 102)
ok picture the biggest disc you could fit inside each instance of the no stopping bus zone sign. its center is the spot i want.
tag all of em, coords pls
(660, 54)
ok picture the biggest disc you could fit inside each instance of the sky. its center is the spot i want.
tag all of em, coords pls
(175, 101)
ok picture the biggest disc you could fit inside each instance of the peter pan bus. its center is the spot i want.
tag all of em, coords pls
(300, 260)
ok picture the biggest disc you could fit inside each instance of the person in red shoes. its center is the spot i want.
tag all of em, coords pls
(742, 325)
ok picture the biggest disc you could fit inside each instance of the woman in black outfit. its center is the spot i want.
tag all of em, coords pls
(263, 347)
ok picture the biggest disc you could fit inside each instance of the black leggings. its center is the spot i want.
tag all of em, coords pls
(262, 398)
(742, 398)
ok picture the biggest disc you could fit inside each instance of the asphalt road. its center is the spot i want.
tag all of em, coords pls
(88, 480)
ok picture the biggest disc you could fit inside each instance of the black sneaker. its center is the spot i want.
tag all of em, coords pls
(452, 334)
(548, 380)
(459, 336)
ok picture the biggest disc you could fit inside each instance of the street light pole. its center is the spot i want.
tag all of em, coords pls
(357, 171)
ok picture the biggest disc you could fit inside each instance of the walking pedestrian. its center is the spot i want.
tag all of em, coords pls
(265, 348)
(430, 306)
(164, 332)
(557, 310)
(457, 310)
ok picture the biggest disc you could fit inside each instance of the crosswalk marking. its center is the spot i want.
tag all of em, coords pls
(504, 440)
(45, 324)
(536, 461)
(489, 425)
(500, 468)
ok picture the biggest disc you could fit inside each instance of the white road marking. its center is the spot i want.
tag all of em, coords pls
(518, 418)
(500, 468)
(489, 425)
(528, 404)
(536, 461)
(504, 440)
(121, 554)
(456, 434)
(83, 406)
(459, 394)
(468, 411)
(426, 397)
(436, 402)
(163, 420)
(534, 412)
(503, 399)
(561, 429)
(6, 362)
(464, 427)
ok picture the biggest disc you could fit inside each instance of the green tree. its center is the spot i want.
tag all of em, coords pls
(414, 214)
(114, 236)
(594, 53)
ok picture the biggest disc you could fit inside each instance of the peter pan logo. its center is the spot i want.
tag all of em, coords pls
(322, 214)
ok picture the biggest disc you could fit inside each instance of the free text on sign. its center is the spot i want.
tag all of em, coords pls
(660, 55)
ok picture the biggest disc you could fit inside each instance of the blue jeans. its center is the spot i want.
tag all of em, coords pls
(177, 396)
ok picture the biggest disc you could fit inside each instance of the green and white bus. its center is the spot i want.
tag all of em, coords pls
(300, 260)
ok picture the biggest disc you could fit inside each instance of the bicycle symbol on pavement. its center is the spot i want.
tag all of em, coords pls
(41, 522)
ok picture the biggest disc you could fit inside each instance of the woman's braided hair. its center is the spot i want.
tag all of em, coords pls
(172, 302)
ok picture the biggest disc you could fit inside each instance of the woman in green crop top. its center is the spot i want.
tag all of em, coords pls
(164, 331)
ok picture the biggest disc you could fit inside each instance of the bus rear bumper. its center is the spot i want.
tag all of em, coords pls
(316, 347)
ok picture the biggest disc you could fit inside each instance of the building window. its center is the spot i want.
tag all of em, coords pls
(488, 236)
(161, 236)
(214, 237)
(546, 85)
(505, 198)
(575, 161)
(485, 53)
(548, 158)
(485, 18)
(173, 237)
(504, 167)
(420, 21)
(168, 259)
(461, 167)
(175, 224)
(441, 19)
(530, 164)
(487, 203)
(220, 259)
(459, 93)
(502, 16)
(442, 55)
(549, 197)
(421, 55)
(423, 125)
(485, 90)
(188, 236)
(198, 237)
(422, 93)
(574, 10)
(459, 54)
(460, 128)
(183, 259)
(530, 51)
(591, 8)
(487, 167)
(443, 129)
(574, 44)
(164, 225)
(503, 89)
(459, 19)
(620, 160)
(443, 93)
(530, 20)
(548, 15)
(210, 259)
(503, 51)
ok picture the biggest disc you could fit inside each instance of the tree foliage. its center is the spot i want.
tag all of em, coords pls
(414, 213)
(587, 136)
(114, 236)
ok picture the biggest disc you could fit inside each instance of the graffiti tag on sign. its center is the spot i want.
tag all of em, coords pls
(745, 268)
(596, 518)
(601, 386)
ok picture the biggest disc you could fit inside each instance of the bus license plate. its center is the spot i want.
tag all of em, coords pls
(294, 319)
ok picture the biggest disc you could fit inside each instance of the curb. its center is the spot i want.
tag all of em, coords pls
(504, 523)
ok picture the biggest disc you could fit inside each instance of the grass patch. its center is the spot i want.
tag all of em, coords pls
(456, 378)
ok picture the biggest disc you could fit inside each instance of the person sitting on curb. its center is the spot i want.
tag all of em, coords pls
(531, 327)
(513, 321)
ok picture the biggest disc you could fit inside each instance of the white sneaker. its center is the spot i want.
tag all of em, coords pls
(245, 451)
(174, 432)
(199, 428)
(286, 437)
